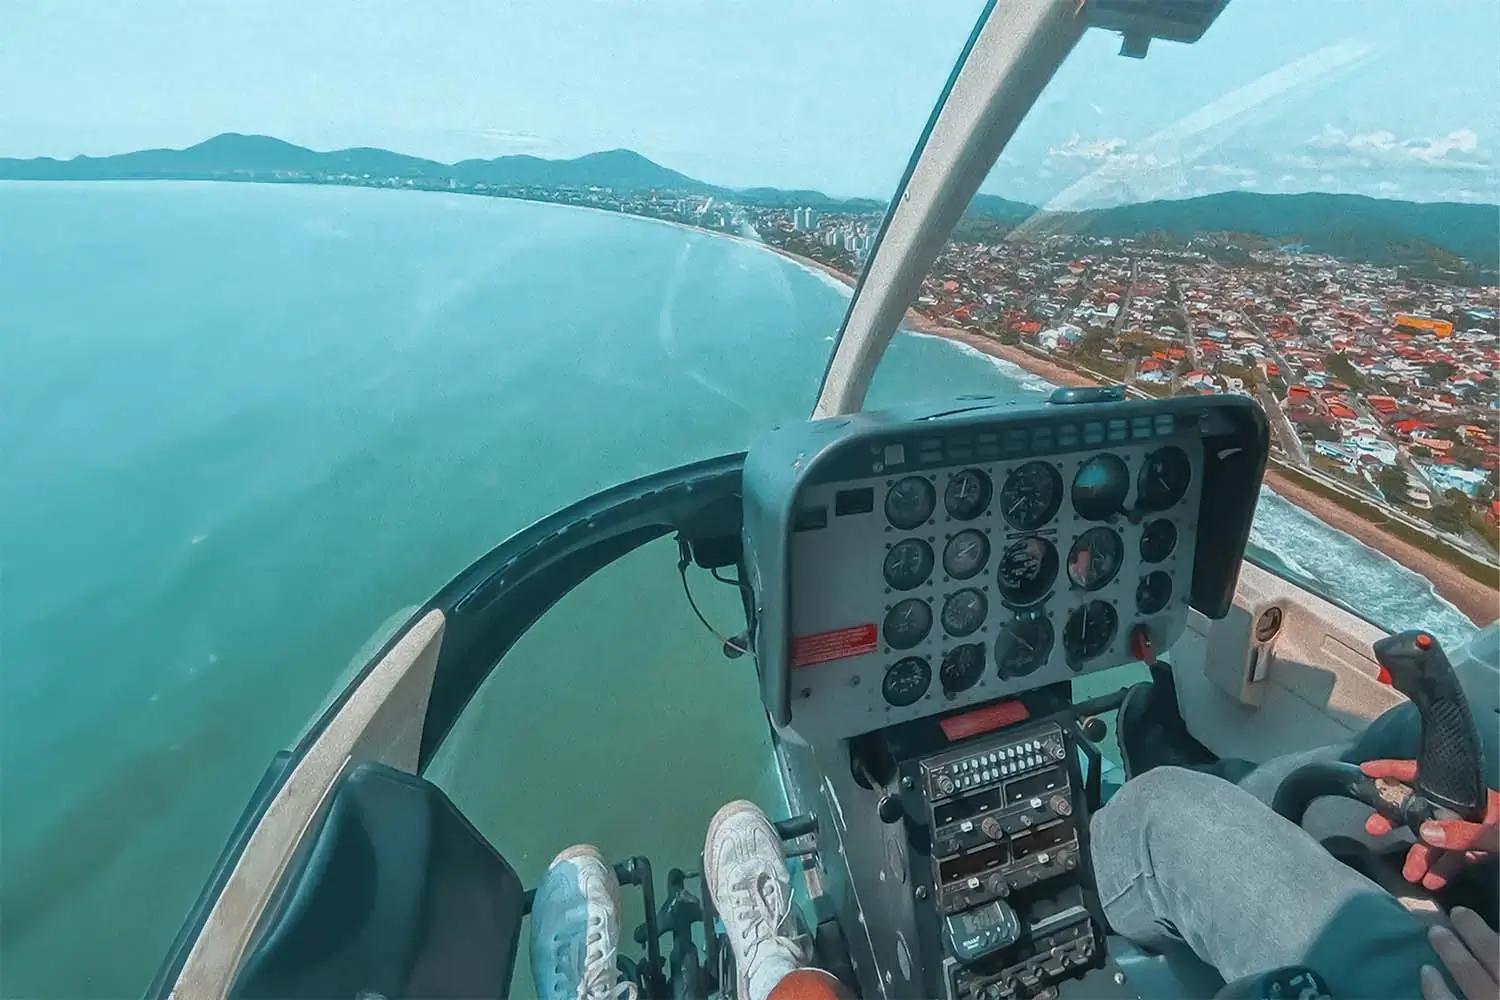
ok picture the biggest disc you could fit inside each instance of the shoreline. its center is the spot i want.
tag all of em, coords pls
(1472, 599)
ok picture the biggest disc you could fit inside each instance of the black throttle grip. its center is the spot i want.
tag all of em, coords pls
(1448, 764)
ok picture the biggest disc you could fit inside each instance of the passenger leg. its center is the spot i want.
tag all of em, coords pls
(1185, 857)
(575, 929)
(748, 881)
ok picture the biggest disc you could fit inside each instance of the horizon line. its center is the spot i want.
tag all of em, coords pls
(1038, 208)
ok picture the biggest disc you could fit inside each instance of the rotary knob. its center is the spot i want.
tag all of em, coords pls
(991, 828)
(945, 784)
(1061, 805)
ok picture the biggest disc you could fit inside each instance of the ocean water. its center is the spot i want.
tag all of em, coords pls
(244, 428)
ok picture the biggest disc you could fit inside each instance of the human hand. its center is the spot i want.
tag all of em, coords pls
(1470, 952)
(1446, 845)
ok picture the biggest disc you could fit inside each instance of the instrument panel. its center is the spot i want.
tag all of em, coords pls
(933, 570)
(905, 564)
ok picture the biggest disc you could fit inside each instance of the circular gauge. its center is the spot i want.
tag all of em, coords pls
(910, 502)
(965, 554)
(968, 494)
(1095, 558)
(1158, 540)
(964, 612)
(908, 564)
(1027, 570)
(962, 667)
(1031, 496)
(1089, 631)
(907, 623)
(1100, 486)
(1163, 478)
(1153, 592)
(1023, 646)
(906, 680)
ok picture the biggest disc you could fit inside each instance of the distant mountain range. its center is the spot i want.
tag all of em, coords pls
(1353, 226)
(1347, 225)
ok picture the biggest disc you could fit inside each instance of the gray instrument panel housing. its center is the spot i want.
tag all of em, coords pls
(837, 582)
(815, 580)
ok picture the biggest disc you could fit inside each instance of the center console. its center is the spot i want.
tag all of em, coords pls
(1006, 822)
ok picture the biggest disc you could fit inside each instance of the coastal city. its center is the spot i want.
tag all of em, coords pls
(1378, 382)
(1379, 387)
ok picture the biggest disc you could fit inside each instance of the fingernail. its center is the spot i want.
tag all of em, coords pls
(1433, 834)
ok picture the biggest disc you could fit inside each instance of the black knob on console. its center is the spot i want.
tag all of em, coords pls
(889, 809)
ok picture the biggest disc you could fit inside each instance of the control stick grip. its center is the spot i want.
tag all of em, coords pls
(1448, 764)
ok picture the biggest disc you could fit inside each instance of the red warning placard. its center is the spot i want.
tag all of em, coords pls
(822, 647)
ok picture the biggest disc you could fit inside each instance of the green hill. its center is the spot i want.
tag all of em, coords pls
(1426, 236)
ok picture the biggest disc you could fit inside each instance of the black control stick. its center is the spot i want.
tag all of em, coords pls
(1449, 782)
(1449, 762)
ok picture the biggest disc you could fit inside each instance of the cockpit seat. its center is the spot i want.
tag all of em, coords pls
(398, 895)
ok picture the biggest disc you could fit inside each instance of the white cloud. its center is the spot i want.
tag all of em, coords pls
(1457, 150)
(1222, 170)
(1110, 155)
(1075, 148)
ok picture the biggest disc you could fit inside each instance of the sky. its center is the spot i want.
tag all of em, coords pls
(1381, 97)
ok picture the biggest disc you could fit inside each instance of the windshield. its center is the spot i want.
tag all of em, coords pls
(1283, 215)
(307, 306)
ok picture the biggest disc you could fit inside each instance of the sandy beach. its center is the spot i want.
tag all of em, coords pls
(1480, 603)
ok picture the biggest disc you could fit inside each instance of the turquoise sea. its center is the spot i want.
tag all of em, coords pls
(244, 428)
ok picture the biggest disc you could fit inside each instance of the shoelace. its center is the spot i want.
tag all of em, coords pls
(597, 985)
(599, 979)
(753, 907)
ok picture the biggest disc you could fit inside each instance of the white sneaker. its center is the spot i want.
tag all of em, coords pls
(747, 879)
(575, 929)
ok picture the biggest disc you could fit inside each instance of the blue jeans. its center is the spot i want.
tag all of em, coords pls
(1182, 857)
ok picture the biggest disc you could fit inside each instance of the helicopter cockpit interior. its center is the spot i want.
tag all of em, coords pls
(921, 588)
(923, 592)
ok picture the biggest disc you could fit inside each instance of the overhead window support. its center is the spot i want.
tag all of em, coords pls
(1012, 54)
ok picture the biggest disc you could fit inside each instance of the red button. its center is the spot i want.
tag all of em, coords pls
(1141, 646)
(1424, 641)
